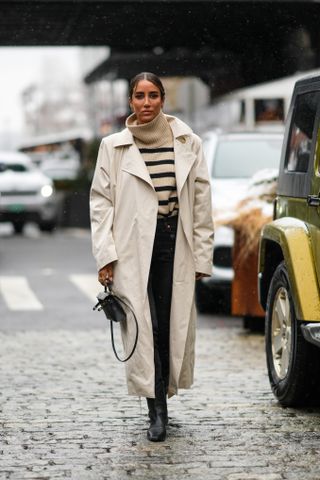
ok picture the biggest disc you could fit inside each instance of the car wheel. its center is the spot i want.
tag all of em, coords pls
(203, 298)
(18, 227)
(292, 362)
(210, 300)
(254, 324)
(47, 226)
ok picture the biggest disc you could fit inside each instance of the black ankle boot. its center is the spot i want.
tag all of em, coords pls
(158, 420)
(152, 412)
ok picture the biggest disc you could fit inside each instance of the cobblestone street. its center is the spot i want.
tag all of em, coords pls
(65, 414)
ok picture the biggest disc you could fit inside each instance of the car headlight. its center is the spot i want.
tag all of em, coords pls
(46, 191)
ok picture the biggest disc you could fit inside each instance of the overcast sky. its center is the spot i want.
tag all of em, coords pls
(21, 67)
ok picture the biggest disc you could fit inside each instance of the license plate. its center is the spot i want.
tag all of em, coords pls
(16, 208)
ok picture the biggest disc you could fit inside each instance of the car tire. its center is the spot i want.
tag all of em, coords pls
(293, 363)
(210, 300)
(254, 324)
(47, 226)
(204, 301)
(18, 227)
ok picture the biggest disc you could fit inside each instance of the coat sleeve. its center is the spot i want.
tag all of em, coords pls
(102, 210)
(203, 229)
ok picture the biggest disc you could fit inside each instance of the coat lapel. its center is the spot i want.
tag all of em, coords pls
(184, 160)
(132, 161)
(184, 155)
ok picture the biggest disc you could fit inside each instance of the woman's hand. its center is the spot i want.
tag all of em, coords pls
(105, 274)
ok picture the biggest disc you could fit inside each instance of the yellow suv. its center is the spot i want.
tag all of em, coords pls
(289, 257)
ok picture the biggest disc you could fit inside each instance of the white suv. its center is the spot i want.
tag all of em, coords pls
(233, 158)
(26, 194)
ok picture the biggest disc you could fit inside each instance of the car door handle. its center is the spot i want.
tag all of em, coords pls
(313, 200)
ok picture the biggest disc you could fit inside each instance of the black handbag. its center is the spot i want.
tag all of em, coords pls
(113, 307)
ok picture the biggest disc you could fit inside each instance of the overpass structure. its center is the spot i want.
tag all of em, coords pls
(226, 43)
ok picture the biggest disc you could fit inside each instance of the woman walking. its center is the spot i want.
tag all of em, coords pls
(152, 235)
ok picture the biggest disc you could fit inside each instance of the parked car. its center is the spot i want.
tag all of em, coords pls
(58, 169)
(233, 159)
(26, 194)
(289, 266)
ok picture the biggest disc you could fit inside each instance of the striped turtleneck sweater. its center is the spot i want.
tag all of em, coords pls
(155, 142)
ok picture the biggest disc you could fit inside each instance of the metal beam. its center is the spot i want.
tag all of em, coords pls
(132, 25)
(254, 32)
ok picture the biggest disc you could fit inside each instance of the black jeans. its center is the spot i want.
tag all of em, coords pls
(159, 294)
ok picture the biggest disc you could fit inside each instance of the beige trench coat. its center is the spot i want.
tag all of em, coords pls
(123, 209)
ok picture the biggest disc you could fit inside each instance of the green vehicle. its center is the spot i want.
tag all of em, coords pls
(289, 257)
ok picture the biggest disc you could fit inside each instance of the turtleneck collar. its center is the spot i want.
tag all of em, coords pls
(157, 132)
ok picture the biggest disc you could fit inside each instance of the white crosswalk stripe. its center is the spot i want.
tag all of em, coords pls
(88, 284)
(18, 295)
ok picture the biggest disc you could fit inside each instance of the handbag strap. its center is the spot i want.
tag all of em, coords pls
(112, 335)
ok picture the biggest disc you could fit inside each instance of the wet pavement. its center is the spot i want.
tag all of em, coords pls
(65, 413)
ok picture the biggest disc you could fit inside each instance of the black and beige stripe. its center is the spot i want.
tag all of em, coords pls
(160, 164)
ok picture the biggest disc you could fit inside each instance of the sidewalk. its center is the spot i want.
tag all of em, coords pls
(65, 414)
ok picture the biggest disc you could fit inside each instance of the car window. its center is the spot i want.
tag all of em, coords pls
(269, 110)
(299, 146)
(243, 158)
(14, 167)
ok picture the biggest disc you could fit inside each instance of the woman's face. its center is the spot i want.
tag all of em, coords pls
(146, 101)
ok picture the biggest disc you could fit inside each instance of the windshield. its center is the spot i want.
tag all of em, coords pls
(243, 158)
(14, 167)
